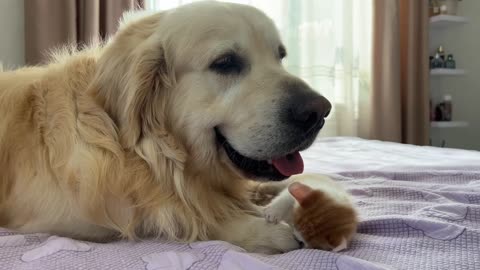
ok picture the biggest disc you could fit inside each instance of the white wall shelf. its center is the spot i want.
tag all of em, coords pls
(447, 72)
(441, 21)
(449, 124)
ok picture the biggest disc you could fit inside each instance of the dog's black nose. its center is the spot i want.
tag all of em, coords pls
(310, 114)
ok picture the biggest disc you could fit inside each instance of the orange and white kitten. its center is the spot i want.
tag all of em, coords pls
(318, 208)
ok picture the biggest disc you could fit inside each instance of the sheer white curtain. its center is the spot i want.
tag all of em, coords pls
(329, 46)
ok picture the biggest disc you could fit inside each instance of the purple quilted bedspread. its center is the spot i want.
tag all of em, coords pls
(419, 207)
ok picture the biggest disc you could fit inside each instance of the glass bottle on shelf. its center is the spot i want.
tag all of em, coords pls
(447, 103)
(450, 62)
(437, 62)
(443, 110)
(441, 52)
(434, 8)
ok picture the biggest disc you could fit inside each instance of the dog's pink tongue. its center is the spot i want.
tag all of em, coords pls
(290, 164)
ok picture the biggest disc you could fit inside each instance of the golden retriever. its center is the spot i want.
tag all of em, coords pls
(155, 132)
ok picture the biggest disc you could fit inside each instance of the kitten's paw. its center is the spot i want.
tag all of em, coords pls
(273, 214)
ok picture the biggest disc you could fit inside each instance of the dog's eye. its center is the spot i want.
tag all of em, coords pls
(227, 64)
(282, 52)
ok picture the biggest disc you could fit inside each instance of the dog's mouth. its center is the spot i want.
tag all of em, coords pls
(274, 169)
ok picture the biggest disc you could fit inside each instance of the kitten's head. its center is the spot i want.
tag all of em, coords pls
(322, 222)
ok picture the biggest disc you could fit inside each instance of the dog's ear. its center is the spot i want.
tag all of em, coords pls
(134, 75)
(144, 107)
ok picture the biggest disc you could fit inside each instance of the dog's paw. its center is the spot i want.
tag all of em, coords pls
(263, 193)
(278, 238)
(283, 237)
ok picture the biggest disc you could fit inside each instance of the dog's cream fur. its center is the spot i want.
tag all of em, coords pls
(117, 140)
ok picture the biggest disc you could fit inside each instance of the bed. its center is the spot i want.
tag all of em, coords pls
(419, 207)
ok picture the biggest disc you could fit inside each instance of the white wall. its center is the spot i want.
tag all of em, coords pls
(12, 45)
(463, 41)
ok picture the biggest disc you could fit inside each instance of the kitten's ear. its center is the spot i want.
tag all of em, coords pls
(299, 191)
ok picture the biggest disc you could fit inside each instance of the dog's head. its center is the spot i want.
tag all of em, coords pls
(211, 75)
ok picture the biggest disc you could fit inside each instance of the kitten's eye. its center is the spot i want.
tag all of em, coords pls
(229, 63)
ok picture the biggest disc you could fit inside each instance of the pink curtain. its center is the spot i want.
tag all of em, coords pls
(53, 23)
(400, 75)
